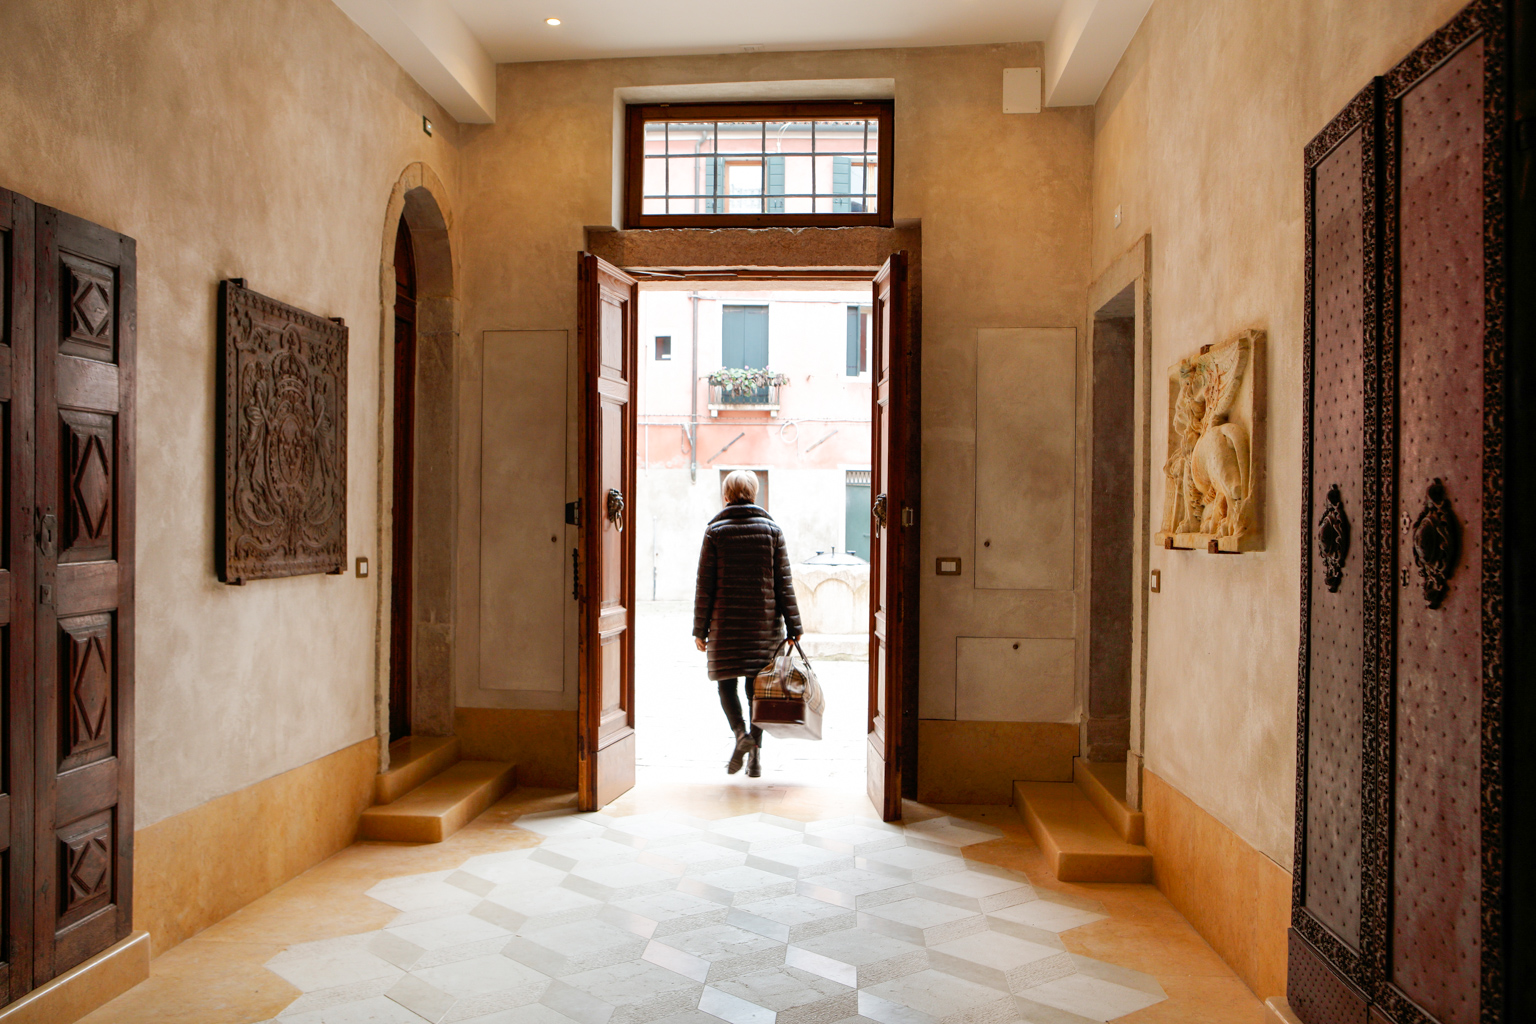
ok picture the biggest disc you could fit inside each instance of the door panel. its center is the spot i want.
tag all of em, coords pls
(893, 544)
(17, 253)
(609, 335)
(83, 631)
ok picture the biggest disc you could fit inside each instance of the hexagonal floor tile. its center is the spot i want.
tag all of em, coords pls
(430, 892)
(572, 948)
(922, 922)
(515, 868)
(790, 918)
(857, 957)
(468, 989)
(932, 997)
(856, 888)
(727, 950)
(758, 831)
(980, 887)
(694, 857)
(952, 833)
(517, 909)
(732, 886)
(329, 963)
(638, 992)
(856, 837)
(621, 881)
(565, 854)
(673, 912)
(800, 860)
(794, 996)
(1052, 912)
(912, 862)
(1004, 962)
(1097, 990)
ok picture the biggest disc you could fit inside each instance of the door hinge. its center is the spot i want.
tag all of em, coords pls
(575, 574)
(573, 513)
(908, 516)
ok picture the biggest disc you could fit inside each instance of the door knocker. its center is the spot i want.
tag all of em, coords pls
(1436, 537)
(616, 508)
(879, 510)
(1333, 538)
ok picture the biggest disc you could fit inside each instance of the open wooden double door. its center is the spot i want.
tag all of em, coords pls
(609, 339)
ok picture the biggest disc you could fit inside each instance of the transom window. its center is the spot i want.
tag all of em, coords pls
(758, 164)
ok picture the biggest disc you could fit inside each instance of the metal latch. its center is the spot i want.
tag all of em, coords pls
(907, 516)
(573, 513)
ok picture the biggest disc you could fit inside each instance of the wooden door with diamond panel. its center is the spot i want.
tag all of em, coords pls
(609, 332)
(16, 593)
(82, 891)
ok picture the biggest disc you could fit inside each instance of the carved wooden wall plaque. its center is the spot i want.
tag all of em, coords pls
(283, 466)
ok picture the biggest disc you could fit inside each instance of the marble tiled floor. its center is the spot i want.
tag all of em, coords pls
(697, 905)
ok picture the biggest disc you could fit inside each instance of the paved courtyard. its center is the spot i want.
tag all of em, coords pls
(682, 733)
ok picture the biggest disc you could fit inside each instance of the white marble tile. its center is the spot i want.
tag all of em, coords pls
(638, 990)
(444, 932)
(421, 998)
(674, 911)
(733, 1009)
(857, 956)
(953, 833)
(932, 997)
(514, 870)
(795, 996)
(486, 974)
(756, 832)
(575, 947)
(1092, 997)
(976, 889)
(1001, 961)
(374, 1010)
(330, 963)
(619, 881)
(522, 910)
(799, 860)
(340, 995)
(741, 885)
(565, 824)
(693, 857)
(922, 922)
(1048, 914)
(857, 888)
(728, 950)
(790, 918)
(567, 853)
(856, 838)
(911, 863)
(422, 892)
(535, 1014)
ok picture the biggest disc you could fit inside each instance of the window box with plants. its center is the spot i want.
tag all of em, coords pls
(745, 390)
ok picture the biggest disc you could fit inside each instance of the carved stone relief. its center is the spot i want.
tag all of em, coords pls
(1211, 500)
(284, 458)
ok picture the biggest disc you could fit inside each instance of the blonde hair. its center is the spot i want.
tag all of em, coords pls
(740, 485)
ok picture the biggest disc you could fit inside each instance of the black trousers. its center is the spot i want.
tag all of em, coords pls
(731, 703)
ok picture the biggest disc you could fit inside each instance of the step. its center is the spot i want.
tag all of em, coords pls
(412, 761)
(1078, 843)
(442, 805)
(1104, 784)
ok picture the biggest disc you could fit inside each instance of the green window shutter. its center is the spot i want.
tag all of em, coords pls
(773, 176)
(756, 337)
(842, 184)
(856, 522)
(733, 337)
(714, 184)
(853, 341)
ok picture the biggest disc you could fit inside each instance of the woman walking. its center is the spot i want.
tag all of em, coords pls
(744, 590)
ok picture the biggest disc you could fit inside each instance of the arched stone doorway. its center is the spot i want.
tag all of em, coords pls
(420, 200)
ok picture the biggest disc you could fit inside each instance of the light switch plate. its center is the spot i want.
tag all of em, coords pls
(1021, 90)
(362, 568)
(946, 567)
(1157, 581)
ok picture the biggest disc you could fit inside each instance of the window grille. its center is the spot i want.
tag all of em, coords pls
(721, 165)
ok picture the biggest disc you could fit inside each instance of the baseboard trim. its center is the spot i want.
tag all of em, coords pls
(92, 984)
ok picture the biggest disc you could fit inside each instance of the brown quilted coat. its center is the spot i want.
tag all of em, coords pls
(744, 589)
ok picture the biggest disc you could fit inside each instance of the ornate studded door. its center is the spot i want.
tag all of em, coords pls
(1399, 881)
(609, 332)
(83, 838)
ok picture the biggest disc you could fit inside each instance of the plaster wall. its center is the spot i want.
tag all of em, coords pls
(1003, 205)
(1198, 142)
(258, 140)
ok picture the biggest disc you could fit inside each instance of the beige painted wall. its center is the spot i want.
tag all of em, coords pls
(1198, 141)
(255, 140)
(1003, 202)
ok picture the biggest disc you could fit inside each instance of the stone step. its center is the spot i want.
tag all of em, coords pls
(412, 761)
(1078, 843)
(1104, 785)
(442, 805)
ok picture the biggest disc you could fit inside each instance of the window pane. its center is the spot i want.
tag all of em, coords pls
(655, 206)
(782, 167)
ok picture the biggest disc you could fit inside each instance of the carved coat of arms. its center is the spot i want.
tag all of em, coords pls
(284, 458)
(1211, 500)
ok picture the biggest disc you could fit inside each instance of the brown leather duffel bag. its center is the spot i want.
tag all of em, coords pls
(787, 702)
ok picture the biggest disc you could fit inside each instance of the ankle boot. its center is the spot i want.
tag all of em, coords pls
(744, 746)
(755, 763)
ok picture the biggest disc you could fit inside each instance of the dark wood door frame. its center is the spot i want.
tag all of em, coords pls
(403, 483)
(850, 255)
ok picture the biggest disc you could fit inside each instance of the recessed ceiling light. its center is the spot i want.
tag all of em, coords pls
(551, 21)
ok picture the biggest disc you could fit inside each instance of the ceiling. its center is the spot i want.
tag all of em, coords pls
(451, 47)
(514, 30)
